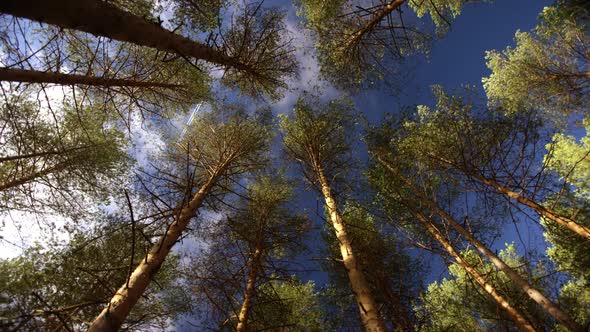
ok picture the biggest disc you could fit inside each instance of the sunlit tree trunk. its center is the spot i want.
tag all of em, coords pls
(114, 314)
(250, 290)
(514, 276)
(368, 308)
(522, 323)
(101, 18)
(34, 76)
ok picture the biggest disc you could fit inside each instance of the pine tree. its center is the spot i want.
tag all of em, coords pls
(547, 69)
(359, 46)
(316, 136)
(255, 54)
(220, 145)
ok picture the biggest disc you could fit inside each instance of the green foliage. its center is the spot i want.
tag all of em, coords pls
(262, 234)
(546, 70)
(571, 160)
(48, 287)
(568, 251)
(459, 304)
(290, 305)
(66, 153)
(226, 134)
(135, 63)
(440, 11)
(393, 275)
(198, 15)
(359, 46)
(258, 42)
(267, 222)
(575, 298)
(319, 135)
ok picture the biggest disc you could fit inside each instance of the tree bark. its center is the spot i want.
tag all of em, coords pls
(250, 289)
(367, 306)
(375, 19)
(42, 154)
(514, 276)
(25, 179)
(34, 76)
(522, 323)
(101, 18)
(114, 314)
(561, 220)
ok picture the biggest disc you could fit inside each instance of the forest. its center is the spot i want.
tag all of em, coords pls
(295, 165)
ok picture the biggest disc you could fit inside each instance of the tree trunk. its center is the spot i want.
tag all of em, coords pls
(514, 276)
(112, 317)
(20, 181)
(101, 18)
(563, 221)
(368, 308)
(34, 76)
(250, 289)
(375, 19)
(520, 320)
(43, 153)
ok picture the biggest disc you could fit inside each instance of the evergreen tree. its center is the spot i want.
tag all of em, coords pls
(63, 288)
(394, 276)
(318, 137)
(456, 304)
(46, 163)
(547, 70)
(255, 54)
(220, 146)
(358, 45)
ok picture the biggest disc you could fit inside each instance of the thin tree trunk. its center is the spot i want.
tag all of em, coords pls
(523, 284)
(101, 18)
(367, 306)
(114, 314)
(402, 323)
(46, 153)
(25, 179)
(250, 289)
(561, 220)
(34, 76)
(522, 323)
(375, 19)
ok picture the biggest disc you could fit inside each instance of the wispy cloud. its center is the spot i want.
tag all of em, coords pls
(309, 74)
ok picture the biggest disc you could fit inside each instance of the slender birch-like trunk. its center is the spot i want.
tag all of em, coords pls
(114, 314)
(522, 323)
(101, 18)
(34, 76)
(367, 306)
(535, 295)
(250, 290)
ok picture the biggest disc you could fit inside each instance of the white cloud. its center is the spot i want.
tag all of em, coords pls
(309, 68)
